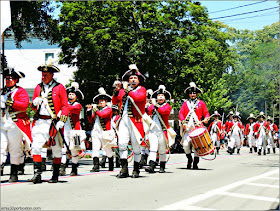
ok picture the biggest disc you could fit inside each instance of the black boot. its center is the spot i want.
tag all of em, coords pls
(190, 160)
(151, 168)
(136, 171)
(14, 173)
(264, 151)
(74, 171)
(111, 163)
(62, 170)
(37, 173)
(273, 150)
(2, 169)
(259, 152)
(230, 151)
(142, 161)
(67, 162)
(21, 169)
(218, 148)
(195, 162)
(103, 161)
(146, 159)
(55, 175)
(268, 150)
(238, 151)
(44, 167)
(256, 149)
(162, 167)
(233, 149)
(118, 162)
(124, 171)
(251, 150)
(95, 167)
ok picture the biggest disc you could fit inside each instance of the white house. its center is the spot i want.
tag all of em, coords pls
(29, 57)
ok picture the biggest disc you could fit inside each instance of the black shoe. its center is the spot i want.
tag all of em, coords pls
(135, 174)
(151, 168)
(53, 180)
(118, 163)
(55, 175)
(268, 151)
(238, 151)
(62, 170)
(264, 152)
(74, 171)
(36, 178)
(259, 152)
(21, 169)
(2, 169)
(256, 149)
(142, 161)
(273, 150)
(195, 162)
(251, 150)
(14, 173)
(95, 167)
(44, 167)
(124, 171)
(103, 161)
(162, 167)
(111, 164)
(136, 171)
(190, 160)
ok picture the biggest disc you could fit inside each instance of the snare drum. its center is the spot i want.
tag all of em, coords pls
(201, 141)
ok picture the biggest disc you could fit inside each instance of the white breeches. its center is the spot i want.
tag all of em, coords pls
(270, 141)
(262, 141)
(11, 141)
(126, 133)
(235, 140)
(214, 139)
(96, 137)
(187, 145)
(252, 141)
(40, 135)
(157, 144)
(74, 153)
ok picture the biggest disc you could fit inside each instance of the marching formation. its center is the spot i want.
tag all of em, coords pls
(131, 122)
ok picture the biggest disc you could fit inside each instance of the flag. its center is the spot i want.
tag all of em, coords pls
(5, 15)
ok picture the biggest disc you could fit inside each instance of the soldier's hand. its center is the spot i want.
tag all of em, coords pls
(89, 107)
(185, 126)
(59, 125)
(37, 101)
(154, 101)
(125, 84)
(3, 101)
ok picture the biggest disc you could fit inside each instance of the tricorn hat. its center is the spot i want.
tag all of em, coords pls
(192, 88)
(12, 72)
(162, 90)
(133, 70)
(48, 67)
(261, 115)
(75, 89)
(251, 117)
(102, 95)
(268, 118)
(230, 114)
(237, 114)
(215, 114)
(115, 107)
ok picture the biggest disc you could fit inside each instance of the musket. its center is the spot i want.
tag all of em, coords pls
(236, 108)
(265, 115)
(273, 113)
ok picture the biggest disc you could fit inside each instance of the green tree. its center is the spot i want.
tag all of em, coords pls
(172, 42)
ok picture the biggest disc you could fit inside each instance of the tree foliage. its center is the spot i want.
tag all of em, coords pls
(172, 42)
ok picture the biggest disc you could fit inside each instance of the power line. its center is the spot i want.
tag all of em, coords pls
(244, 13)
(238, 7)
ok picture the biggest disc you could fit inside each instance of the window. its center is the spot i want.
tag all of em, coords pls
(47, 55)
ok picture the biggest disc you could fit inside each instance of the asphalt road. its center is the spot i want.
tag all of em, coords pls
(230, 182)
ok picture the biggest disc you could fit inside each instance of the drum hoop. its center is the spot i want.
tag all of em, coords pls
(190, 133)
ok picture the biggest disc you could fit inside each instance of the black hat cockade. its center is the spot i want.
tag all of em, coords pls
(193, 88)
(133, 70)
(102, 95)
(49, 67)
(162, 90)
(13, 73)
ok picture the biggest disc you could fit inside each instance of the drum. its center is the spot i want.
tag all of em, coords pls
(201, 141)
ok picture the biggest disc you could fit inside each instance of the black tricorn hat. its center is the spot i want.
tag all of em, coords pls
(193, 88)
(133, 70)
(162, 90)
(102, 95)
(75, 89)
(48, 67)
(12, 72)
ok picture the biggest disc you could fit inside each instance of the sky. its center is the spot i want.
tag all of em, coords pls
(256, 21)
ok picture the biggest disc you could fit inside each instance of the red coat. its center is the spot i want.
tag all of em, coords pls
(226, 126)
(106, 114)
(59, 97)
(21, 102)
(274, 128)
(257, 127)
(164, 110)
(247, 129)
(201, 111)
(219, 124)
(74, 111)
(240, 125)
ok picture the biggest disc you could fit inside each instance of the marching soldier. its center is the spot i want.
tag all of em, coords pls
(215, 128)
(271, 133)
(249, 133)
(49, 100)
(15, 124)
(235, 131)
(226, 126)
(190, 115)
(73, 133)
(132, 99)
(102, 134)
(160, 111)
(114, 120)
(260, 131)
